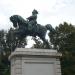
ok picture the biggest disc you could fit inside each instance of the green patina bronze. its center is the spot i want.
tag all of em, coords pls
(30, 27)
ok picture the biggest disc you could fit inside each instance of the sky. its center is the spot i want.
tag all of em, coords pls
(51, 12)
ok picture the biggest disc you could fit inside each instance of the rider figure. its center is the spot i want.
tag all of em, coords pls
(32, 20)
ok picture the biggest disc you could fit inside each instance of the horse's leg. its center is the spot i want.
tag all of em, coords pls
(46, 42)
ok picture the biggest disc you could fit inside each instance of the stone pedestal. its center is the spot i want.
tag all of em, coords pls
(35, 62)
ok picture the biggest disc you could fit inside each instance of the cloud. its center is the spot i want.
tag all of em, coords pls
(50, 11)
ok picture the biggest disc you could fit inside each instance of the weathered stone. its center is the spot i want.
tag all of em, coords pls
(35, 62)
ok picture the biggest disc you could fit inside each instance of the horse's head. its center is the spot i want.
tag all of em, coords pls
(13, 19)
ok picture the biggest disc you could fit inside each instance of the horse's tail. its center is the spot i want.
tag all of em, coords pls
(50, 28)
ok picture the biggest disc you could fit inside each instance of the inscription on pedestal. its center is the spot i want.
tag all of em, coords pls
(35, 62)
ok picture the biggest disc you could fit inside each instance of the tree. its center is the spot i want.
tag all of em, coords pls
(8, 43)
(4, 63)
(13, 41)
(39, 43)
(64, 41)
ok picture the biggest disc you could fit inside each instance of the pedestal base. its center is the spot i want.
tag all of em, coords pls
(35, 62)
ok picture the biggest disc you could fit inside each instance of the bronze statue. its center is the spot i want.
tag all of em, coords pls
(32, 20)
(30, 27)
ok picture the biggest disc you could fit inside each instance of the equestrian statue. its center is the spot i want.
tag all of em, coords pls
(30, 27)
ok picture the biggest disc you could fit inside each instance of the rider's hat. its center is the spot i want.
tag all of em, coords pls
(35, 11)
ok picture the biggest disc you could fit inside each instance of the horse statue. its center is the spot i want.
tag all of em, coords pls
(22, 31)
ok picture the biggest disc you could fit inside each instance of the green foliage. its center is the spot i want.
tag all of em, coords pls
(8, 43)
(13, 41)
(66, 35)
(39, 44)
(4, 63)
(64, 41)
